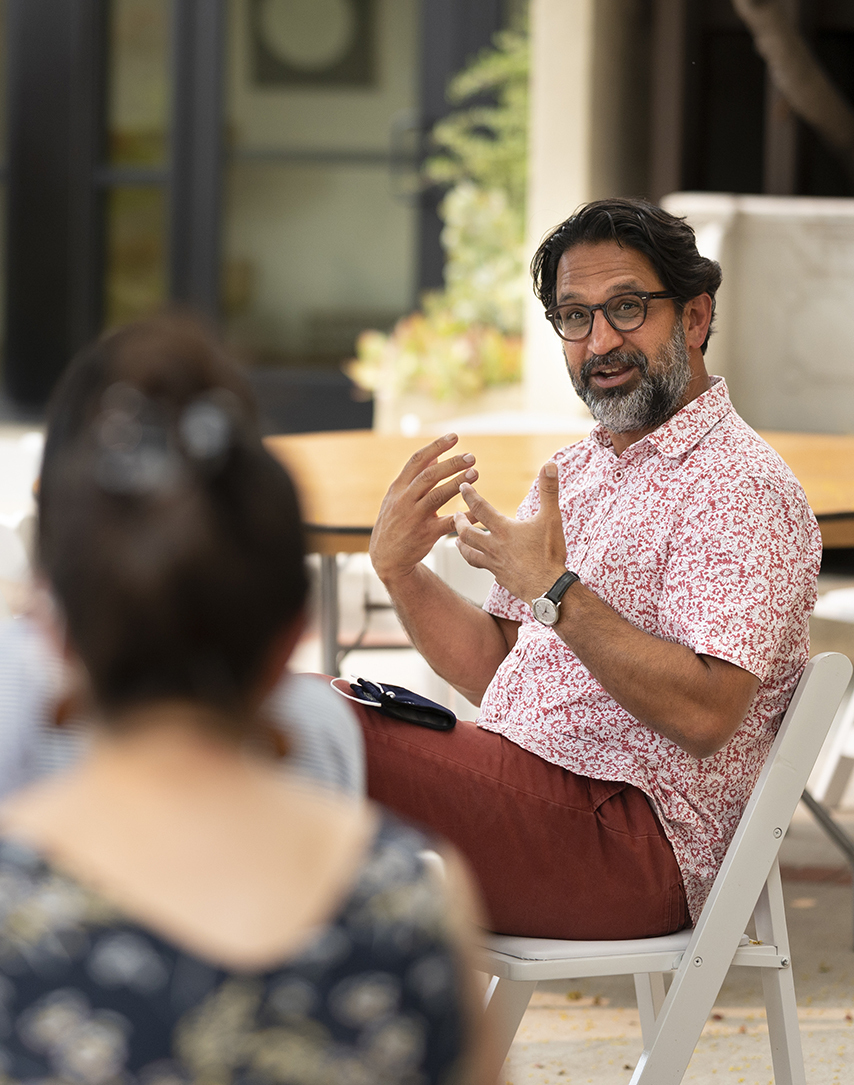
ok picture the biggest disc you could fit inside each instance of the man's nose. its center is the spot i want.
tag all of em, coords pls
(603, 337)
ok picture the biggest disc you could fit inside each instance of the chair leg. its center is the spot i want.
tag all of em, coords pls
(784, 1032)
(506, 1002)
(778, 986)
(649, 991)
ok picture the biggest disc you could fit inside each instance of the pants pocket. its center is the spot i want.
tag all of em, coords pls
(602, 790)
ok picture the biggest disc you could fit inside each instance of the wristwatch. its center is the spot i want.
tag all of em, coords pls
(547, 608)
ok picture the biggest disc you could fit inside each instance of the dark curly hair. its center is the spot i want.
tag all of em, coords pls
(668, 242)
(172, 539)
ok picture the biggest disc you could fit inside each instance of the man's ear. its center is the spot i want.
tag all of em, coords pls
(696, 318)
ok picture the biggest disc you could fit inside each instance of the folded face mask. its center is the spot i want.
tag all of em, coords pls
(402, 704)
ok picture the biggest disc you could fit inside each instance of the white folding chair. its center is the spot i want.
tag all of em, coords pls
(699, 958)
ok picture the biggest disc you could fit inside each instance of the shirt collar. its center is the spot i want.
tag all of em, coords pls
(687, 427)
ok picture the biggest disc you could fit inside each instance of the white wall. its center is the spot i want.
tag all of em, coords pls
(786, 339)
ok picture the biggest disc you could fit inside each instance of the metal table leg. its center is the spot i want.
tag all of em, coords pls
(836, 833)
(329, 647)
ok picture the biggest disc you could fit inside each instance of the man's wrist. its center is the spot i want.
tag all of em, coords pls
(390, 577)
(546, 608)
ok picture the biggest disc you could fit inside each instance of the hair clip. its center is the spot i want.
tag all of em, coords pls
(206, 426)
(141, 451)
(136, 453)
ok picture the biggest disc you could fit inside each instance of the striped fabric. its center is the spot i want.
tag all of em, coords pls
(325, 739)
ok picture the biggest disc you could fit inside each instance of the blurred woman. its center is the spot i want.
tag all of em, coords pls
(175, 908)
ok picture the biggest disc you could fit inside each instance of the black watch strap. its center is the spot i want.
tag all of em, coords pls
(558, 589)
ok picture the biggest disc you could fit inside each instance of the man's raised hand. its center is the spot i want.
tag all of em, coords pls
(524, 556)
(409, 524)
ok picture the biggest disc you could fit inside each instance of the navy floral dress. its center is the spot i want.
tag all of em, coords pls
(87, 996)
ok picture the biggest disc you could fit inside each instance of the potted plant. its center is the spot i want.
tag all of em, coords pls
(462, 351)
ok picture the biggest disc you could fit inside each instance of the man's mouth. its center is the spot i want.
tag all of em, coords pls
(610, 376)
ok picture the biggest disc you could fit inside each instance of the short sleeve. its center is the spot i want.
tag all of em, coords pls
(504, 605)
(761, 550)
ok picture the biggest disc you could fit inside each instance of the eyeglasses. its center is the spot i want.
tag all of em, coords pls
(625, 313)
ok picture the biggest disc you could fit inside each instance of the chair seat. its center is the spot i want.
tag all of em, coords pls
(554, 949)
(517, 958)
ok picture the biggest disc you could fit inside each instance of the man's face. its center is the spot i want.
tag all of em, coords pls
(631, 382)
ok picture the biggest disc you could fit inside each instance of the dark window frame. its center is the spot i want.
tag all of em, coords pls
(58, 178)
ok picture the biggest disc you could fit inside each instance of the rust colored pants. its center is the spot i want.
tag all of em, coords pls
(556, 855)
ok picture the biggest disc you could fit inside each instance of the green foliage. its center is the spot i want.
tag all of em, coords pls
(487, 144)
(468, 336)
(483, 157)
(485, 274)
(436, 355)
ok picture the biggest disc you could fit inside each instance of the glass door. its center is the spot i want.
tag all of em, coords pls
(319, 230)
(134, 175)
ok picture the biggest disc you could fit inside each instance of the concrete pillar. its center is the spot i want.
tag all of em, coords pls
(587, 140)
(559, 172)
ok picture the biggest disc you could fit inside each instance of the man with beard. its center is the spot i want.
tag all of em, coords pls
(648, 622)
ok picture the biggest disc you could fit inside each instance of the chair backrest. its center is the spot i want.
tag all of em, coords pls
(757, 840)
(780, 785)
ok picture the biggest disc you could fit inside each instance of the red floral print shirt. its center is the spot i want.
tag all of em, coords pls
(699, 534)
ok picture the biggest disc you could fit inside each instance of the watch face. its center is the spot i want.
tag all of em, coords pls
(545, 610)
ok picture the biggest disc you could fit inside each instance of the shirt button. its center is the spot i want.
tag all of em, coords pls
(618, 475)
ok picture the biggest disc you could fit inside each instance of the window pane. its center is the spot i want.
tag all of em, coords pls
(136, 253)
(319, 232)
(138, 82)
(315, 254)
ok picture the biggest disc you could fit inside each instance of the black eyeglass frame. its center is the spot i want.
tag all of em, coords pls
(646, 296)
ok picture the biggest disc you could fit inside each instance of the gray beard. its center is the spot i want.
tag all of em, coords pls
(656, 398)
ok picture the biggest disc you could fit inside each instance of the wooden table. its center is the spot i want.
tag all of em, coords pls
(342, 478)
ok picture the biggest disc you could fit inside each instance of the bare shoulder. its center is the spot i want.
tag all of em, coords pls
(236, 874)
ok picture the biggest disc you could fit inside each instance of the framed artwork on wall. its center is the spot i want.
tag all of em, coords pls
(304, 43)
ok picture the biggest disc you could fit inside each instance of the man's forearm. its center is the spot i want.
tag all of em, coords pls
(696, 701)
(462, 643)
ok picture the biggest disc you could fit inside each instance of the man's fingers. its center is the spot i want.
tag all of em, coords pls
(474, 557)
(456, 465)
(463, 526)
(426, 456)
(480, 507)
(440, 495)
(549, 488)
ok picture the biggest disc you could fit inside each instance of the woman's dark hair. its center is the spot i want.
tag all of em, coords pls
(170, 536)
(666, 241)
